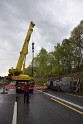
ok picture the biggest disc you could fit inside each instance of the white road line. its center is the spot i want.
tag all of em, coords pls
(78, 106)
(14, 120)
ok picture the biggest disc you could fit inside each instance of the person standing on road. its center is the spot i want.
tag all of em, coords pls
(26, 92)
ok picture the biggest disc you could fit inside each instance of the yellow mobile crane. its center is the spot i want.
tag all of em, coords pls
(18, 73)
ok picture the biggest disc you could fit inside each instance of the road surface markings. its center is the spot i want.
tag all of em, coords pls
(78, 106)
(65, 101)
(14, 120)
(67, 106)
(75, 95)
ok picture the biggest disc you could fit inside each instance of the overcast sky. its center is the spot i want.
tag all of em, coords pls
(54, 20)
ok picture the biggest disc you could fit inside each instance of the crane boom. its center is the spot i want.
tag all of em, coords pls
(25, 47)
(23, 53)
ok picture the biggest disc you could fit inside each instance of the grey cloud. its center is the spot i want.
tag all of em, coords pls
(53, 24)
(38, 11)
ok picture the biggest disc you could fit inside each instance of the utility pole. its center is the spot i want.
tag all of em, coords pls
(32, 58)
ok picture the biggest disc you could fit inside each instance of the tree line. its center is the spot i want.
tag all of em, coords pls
(66, 58)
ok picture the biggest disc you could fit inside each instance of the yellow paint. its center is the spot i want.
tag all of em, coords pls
(75, 95)
(67, 106)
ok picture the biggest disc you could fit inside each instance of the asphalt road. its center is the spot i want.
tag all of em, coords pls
(50, 108)
(6, 108)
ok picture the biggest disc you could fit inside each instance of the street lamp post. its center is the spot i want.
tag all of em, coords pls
(32, 58)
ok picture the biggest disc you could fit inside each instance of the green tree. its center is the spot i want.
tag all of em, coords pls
(65, 59)
(77, 44)
(41, 63)
(28, 70)
(66, 56)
